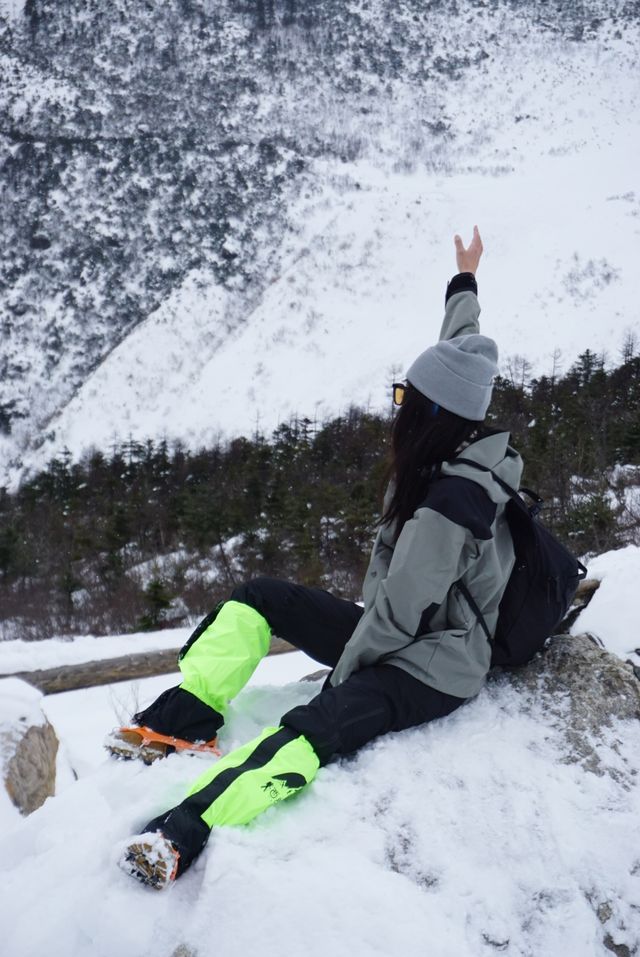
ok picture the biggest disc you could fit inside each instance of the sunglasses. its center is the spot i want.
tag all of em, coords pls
(399, 392)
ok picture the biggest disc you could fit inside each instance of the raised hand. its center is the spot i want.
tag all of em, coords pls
(468, 259)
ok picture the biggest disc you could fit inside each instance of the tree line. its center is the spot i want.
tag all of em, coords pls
(150, 534)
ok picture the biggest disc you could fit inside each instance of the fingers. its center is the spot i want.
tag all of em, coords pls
(476, 242)
(468, 257)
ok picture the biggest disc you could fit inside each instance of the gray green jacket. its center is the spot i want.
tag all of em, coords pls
(415, 617)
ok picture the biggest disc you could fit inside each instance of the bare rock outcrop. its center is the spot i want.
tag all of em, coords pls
(28, 747)
(585, 690)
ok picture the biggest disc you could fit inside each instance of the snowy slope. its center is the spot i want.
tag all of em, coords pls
(536, 142)
(366, 296)
(464, 838)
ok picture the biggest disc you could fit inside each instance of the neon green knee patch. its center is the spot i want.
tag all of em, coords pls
(219, 664)
(263, 777)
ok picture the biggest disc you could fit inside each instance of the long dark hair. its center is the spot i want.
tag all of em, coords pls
(422, 437)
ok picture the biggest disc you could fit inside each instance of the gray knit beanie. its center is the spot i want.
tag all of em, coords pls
(458, 374)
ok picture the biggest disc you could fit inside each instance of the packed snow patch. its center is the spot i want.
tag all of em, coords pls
(19, 702)
(56, 652)
(19, 709)
(469, 835)
(612, 614)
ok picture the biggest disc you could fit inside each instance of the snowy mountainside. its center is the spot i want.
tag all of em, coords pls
(220, 215)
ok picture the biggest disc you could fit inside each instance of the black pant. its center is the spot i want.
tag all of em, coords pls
(337, 721)
(373, 701)
(312, 619)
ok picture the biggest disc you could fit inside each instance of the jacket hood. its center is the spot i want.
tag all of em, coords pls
(492, 452)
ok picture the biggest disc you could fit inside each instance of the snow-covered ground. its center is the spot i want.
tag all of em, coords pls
(56, 652)
(612, 614)
(468, 837)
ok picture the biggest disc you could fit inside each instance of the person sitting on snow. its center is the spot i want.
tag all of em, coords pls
(415, 652)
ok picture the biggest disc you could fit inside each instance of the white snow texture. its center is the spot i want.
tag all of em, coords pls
(463, 838)
(543, 157)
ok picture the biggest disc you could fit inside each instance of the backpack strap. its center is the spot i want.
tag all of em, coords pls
(460, 585)
(474, 607)
(533, 511)
(538, 502)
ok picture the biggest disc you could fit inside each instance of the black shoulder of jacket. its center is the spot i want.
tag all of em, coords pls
(464, 502)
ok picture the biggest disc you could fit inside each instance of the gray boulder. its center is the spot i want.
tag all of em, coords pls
(28, 747)
(30, 775)
(584, 690)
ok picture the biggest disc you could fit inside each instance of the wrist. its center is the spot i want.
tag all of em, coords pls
(461, 282)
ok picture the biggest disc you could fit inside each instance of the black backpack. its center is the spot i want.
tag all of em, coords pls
(541, 586)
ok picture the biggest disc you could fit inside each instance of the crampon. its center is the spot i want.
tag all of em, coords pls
(147, 745)
(152, 859)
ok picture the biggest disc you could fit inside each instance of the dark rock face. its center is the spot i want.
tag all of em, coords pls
(30, 773)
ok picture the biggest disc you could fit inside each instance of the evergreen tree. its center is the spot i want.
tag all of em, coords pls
(302, 504)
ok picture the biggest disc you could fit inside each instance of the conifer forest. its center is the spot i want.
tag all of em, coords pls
(152, 534)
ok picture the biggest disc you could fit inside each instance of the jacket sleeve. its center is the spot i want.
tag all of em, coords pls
(462, 308)
(428, 558)
(377, 569)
